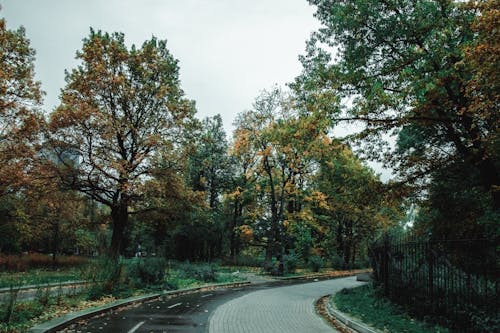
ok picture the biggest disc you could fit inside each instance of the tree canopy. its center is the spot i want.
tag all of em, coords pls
(120, 108)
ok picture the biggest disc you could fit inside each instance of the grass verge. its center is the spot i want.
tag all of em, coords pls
(39, 276)
(364, 304)
(44, 307)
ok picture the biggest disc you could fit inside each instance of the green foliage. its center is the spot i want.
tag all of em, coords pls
(411, 70)
(22, 313)
(143, 272)
(291, 262)
(200, 272)
(245, 261)
(40, 276)
(303, 240)
(106, 276)
(365, 304)
(337, 261)
(316, 263)
(272, 267)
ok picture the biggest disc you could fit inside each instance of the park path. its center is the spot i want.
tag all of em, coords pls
(287, 309)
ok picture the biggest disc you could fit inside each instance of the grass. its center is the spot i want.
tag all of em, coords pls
(39, 276)
(29, 313)
(363, 303)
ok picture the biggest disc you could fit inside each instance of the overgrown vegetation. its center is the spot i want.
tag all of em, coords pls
(365, 304)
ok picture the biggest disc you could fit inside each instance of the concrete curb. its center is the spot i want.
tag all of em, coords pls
(348, 321)
(330, 275)
(61, 322)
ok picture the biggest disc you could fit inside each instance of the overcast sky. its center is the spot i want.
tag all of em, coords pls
(228, 50)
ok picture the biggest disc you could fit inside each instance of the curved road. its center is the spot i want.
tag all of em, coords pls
(284, 309)
(259, 308)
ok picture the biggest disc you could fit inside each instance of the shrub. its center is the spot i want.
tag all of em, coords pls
(271, 267)
(203, 272)
(316, 263)
(337, 262)
(291, 262)
(143, 272)
(105, 275)
(245, 260)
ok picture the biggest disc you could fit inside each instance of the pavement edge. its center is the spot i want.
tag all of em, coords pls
(346, 320)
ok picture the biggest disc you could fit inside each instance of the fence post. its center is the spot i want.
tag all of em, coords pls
(430, 261)
(385, 264)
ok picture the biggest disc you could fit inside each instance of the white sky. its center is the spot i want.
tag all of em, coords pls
(228, 50)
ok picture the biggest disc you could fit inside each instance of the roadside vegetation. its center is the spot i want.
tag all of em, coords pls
(365, 304)
(111, 280)
(130, 277)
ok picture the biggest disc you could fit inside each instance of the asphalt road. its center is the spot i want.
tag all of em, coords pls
(197, 312)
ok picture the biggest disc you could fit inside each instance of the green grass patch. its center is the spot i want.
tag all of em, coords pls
(134, 280)
(363, 303)
(39, 276)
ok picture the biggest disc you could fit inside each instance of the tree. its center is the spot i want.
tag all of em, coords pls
(208, 165)
(20, 98)
(402, 66)
(120, 108)
(351, 204)
(280, 141)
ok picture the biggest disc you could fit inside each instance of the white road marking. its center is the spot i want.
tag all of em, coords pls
(173, 306)
(136, 327)
(206, 295)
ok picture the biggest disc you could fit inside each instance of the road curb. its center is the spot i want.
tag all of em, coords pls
(348, 321)
(329, 275)
(65, 320)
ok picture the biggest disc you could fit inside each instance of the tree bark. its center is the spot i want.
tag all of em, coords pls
(119, 215)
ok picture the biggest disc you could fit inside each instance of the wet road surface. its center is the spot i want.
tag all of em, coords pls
(192, 313)
(187, 313)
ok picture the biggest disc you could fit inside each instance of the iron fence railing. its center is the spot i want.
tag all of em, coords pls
(453, 282)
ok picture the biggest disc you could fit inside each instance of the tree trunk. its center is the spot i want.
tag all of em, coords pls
(55, 241)
(119, 215)
(490, 180)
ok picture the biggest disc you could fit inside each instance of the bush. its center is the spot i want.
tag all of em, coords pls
(271, 267)
(105, 275)
(291, 262)
(143, 272)
(203, 272)
(245, 260)
(337, 262)
(316, 263)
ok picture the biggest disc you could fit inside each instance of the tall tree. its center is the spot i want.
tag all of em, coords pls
(353, 206)
(208, 165)
(402, 66)
(119, 109)
(281, 140)
(20, 99)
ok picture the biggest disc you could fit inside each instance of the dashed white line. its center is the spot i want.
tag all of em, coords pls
(206, 295)
(136, 327)
(174, 305)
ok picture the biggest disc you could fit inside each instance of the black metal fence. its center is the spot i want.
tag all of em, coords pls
(451, 282)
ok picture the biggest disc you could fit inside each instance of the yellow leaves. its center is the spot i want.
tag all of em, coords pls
(265, 152)
(246, 233)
